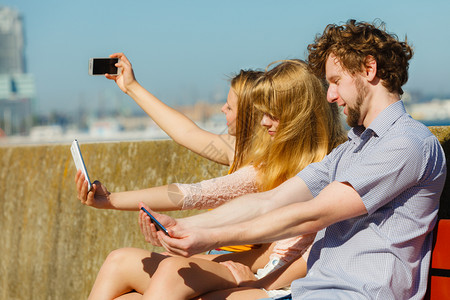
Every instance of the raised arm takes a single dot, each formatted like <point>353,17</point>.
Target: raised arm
<point>218,148</point>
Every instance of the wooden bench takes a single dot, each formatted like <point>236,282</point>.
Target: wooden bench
<point>439,282</point>
<point>439,275</point>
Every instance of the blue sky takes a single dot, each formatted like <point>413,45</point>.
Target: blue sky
<point>185,50</point>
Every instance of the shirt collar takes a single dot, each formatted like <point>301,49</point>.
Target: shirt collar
<point>381,124</point>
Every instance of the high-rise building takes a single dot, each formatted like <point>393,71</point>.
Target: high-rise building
<point>12,50</point>
<point>17,87</point>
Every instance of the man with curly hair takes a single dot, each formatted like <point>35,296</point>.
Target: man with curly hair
<point>373,200</point>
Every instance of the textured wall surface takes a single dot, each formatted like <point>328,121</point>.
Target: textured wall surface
<point>51,246</point>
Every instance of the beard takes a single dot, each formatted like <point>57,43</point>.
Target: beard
<point>354,113</point>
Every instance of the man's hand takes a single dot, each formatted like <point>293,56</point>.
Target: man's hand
<point>185,239</point>
<point>97,197</point>
<point>187,242</point>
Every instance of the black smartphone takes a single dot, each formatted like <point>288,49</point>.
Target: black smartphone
<point>158,225</point>
<point>101,66</point>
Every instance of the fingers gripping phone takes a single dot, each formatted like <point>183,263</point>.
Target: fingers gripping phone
<point>79,162</point>
<point>158,225</point>
<point>101,66</point>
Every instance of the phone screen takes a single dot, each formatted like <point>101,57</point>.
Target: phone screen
<point>101,66</point>
<point>158,225</point>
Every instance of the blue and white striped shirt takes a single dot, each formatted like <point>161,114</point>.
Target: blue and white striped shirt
<point>398,168</point>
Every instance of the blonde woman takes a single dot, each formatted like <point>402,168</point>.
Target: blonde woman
<point>242,121</point>
<point>298,129</point>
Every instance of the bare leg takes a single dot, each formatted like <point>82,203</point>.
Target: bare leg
<point>130,296</point>
<point>125,270</point>
<point>235,294</point>
<point>185,278</point>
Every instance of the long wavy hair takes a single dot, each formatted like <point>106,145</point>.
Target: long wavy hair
<point>247,118</point>
<point>309,127</point>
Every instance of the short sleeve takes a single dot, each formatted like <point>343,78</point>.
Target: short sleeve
<point>320,174</point>
<point>394,165</point>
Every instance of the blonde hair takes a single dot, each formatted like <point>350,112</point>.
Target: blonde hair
<point>247,118</point>
<point>309,127</point>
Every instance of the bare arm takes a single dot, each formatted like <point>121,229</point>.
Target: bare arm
<point>205,194</point>
<point>253,205</point>
<point>219,148</point>
<point>337,202</point>
<point>161,198</point>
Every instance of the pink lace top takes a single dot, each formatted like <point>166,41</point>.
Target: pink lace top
<point>214,192</point>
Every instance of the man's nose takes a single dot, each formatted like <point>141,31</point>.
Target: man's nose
<point>332,94</point>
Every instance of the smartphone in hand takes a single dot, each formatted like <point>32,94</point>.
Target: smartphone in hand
<point>102,66</point>
<point>158,225</point>
<point>79,162</point>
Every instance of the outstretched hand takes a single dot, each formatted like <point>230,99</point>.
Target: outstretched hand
<point>148,229</point>
<point>97,197</point>
<point>184,240</point>
<point>126,76</point>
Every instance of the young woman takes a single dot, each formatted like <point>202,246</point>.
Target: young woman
<point>242,121</point>
<point>230,148</point>
<point>300,128</point>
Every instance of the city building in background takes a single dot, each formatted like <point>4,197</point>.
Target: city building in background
<point>20,123</point>
<point>17,87</point>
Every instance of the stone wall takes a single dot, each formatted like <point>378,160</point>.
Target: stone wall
<point>51,246</point>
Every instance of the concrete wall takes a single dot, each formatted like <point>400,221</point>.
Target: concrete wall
<point>51,246</point>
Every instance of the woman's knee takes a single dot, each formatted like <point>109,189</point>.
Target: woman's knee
<point>168,273</point>
<point>166,281</point>
<point>116,257</point>
<point>120,259</point>
<point>171,265</point>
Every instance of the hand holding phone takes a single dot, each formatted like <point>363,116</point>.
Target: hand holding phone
<point>158,225</point>
<point>79,162</point>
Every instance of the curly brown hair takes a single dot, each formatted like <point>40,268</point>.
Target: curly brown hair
<point>354,42</point>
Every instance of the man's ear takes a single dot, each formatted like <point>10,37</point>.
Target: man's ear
<point>370,68</point>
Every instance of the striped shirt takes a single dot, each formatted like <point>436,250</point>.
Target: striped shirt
<point>397,166</point>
